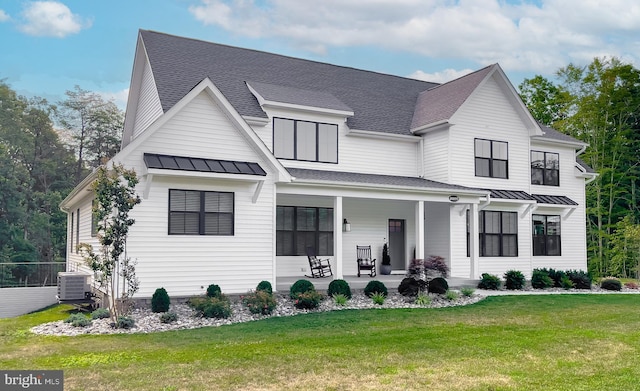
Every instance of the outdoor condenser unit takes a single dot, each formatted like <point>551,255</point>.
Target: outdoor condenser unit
<point>73,285</point>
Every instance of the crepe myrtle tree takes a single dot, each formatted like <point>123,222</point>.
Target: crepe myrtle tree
<point>115,196</point>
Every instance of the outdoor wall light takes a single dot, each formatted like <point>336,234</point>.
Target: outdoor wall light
<point>346,226</point>
<point>454,198</point>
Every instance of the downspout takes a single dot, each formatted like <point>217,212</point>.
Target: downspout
<point>421,157</point>
<point>584,147</point>
<point>593,178</point>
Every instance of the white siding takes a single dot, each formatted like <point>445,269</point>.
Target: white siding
<point>75,260</point>
<point>186,265</point>
<point>355,154</point>
<point>460,264</point>
<point>436,156</point>
<point>148,107</point>
<point>489,115</point>
<point>436,230</point>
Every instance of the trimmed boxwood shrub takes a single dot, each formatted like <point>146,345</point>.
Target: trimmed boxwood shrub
<point>556,276</point>
<point>339,287</point>
<point>300,286</point>
<point>611,284</point>
<point>160,301</point>
<point>514,279</point>
<point>540,279</point>
<point>265,286</point>
<point>214,290</point>
<point>438,285</point>
<point>375,286</point>
<point>490,282</point>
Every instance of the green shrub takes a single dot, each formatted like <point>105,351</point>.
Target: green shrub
<point>375,286</point>
<point>514,279</point>
<point>438,285</point>
<point>214,290</point>
<point>467,291</point>
<point>259,302</point>
<point>378,298</point>
<point>160,301</point>
<point>566,282</point>
<point>265,286</point>
<point>125,322</point>
<point>452,295</point>
<point>423,299</point>
<point>631,285</point>
<point>78,320</point>
<point>211,307</point>
<point>340,299</point>
<point>308,300</point>
<point>556,276</point>
<point>339,287</point>
<point>580,278</point>
<point>168,317</point>
<point>300,286</point>
<point>100,313</point>
<point>611,284</point>
<point>540,279</point>
<point>490,282</point>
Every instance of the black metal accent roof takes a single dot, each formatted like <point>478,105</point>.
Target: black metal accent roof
<point>553,200</point>
<point>168,162</point>
<point>510,195</point>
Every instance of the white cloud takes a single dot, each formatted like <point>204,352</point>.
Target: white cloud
<point>530,35</point>
<point>51,19</point>
<point>440,77</point>
<point>118,97</point>
<point>3,16</point>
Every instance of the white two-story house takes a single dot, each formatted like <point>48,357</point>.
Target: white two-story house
<point>247,158</point>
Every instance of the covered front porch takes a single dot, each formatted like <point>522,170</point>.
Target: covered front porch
<point>358,283</point>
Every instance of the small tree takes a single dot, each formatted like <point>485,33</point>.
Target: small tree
<point>115,272</point>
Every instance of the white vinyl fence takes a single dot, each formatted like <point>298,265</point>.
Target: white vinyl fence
<point>19,301</point>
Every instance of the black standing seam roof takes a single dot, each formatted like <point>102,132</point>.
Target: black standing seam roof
<point>168,162</point>
<point>538,198</point>
<point>553,200</point>
<point>510,195</point>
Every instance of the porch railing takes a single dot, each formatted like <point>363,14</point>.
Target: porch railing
<point>22,274</point>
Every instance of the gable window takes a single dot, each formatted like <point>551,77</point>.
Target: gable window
<point>546,235</point>
<point>498,234</point>
<point>299,227</point>
<point>492,158</point>
<point>194,212</point>
<point>304,140</point>
<point>545,168</point>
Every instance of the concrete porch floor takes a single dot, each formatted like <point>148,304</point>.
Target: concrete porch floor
<point>358,283</point>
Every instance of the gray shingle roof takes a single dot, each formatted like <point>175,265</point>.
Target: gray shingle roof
<point>298,96</point>
<point>441,102</point>
<point>552,134</point>
<point>585,165</point>
<point>383,103</point>
<point>374,179</point>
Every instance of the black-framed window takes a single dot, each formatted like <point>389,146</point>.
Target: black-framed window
<point>498,234</point>
<point>546,235</point>
<point>491,158</point>
<point>299,227</point>
<point>545,168</point>
<point>305,140</point>
<point>193,212</point>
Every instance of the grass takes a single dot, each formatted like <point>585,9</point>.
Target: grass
<point>559,342</point>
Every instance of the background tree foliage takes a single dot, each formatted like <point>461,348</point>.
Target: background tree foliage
<point>38,169</point>
<point>600,104</point>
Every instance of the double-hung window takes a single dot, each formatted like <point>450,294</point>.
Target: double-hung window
<point>193,212</point>
<point>498,234</point>
<point>304,140</point>
<point>491,158</point>
<point>546,235</point>
<point>545,168</point>
<point>299,227</point>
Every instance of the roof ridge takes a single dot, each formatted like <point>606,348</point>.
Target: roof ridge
<point>459,77</point>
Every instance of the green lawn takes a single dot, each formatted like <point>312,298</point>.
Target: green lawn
<point>551,342</point>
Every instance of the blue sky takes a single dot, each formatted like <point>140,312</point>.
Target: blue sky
<point>48,47</point>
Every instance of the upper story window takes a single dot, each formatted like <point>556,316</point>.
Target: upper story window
<point>304,140</point>
<point>545,168</point>
<point>492,158</point>
<point>200,212</point>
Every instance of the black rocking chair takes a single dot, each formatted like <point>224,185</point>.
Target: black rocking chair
<point>319,267</point>
<point>365,262</point>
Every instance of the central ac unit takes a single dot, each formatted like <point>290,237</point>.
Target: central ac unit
<point>73,286</point>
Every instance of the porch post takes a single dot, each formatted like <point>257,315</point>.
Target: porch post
<point>420,230</point>
<point>474,242</point>
<point>337,237</point>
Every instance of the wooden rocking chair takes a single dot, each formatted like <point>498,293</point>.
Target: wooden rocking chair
<point>365,262</point>
<point>319,267</point>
